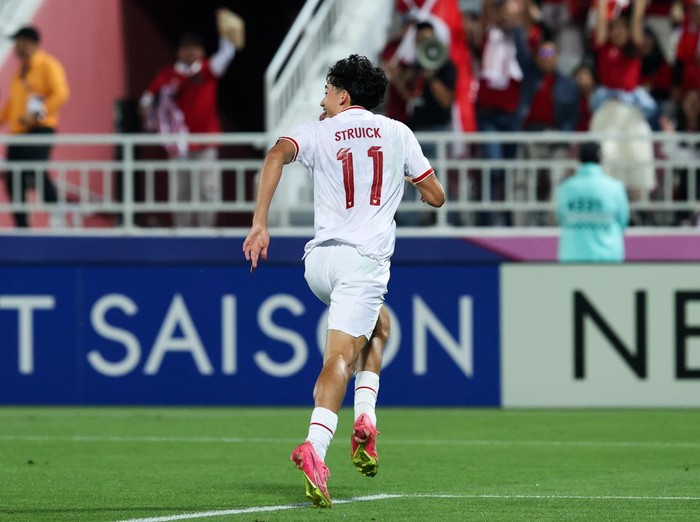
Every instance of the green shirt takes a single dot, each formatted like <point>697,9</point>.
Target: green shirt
<point>593,211</point>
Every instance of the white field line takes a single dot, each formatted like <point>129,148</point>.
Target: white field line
<point>370,498</point>
<point>416,442</point>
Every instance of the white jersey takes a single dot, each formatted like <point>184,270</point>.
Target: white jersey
<point>358,161</point>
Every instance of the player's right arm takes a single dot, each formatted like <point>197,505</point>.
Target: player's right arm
<point>258,239</point>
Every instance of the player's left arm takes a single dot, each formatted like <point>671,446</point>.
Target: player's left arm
<point>431,191</point>
<point>258,239</point>
<point>419,171</point>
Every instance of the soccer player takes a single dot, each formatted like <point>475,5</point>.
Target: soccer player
<point>359,162</point>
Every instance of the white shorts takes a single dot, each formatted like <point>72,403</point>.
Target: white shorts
<point>352,285</point>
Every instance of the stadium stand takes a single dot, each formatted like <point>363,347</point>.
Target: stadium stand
<point>105,180</point>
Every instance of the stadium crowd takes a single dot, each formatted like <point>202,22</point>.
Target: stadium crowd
<point>630,67</point>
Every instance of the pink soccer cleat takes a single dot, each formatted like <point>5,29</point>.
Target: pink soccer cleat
<point>363,444</point>
<point>315,474</point>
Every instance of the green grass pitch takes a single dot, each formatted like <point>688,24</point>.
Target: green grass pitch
<point>435,464</point>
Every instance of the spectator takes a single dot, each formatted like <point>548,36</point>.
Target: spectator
<point>593,212</point>
<point>533,28</point>
<point>620,105</point>
<point>584,76</point>
<point>549,102</point>
<point>182,99</point>
<point>500,78</point>
<point>618,46</point>
<point>549,99</point>
<point>472,31</point>
<point>564,21</point>
<point>555,15</point>
<point>686,45</point>
<point>38,90</point>
<point>429,91</point>
<point>685,120</point>
<point>656,71</point>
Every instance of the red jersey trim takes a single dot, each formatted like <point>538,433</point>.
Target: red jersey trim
<point>294,142</point>
<point>353,107</point>
<point>423,176</point>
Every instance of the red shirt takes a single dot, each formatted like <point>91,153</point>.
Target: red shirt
<point>195,96</point>
<point>687,54</point>
<point>584,114</point>
<point>542,106</point>
<point>501,100</point>
<point>659,80</point>
<point>617,71</point>
<point>506,100</point>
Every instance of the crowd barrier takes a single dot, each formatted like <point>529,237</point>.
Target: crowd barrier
<point>138,188</point>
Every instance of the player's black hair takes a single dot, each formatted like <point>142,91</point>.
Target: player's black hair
<point>365,83</point>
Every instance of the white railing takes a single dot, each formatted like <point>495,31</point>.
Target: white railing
<point>297,58</point>
<point>138,190</point>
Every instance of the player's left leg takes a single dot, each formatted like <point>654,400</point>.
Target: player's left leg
<point>363,441</point>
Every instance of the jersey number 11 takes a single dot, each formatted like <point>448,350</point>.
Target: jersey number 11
<point>345,157</point>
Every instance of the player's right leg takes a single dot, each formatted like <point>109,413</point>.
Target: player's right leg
<point>315,473</point>
<point>363,441</point>
<point>339,360</point>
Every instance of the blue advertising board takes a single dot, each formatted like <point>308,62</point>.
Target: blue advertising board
<point>210,333</point>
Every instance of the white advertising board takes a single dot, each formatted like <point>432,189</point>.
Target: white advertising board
<point>600,335</point>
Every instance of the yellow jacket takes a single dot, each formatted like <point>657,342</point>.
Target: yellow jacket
<point>46,78</point>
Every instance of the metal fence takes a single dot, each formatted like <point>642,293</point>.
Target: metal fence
<point>136,190</point>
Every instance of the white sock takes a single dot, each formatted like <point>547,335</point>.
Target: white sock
<point>366,389</point>
<point>321,430</point>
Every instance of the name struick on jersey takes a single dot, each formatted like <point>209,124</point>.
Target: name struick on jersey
<point>357,132</point>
